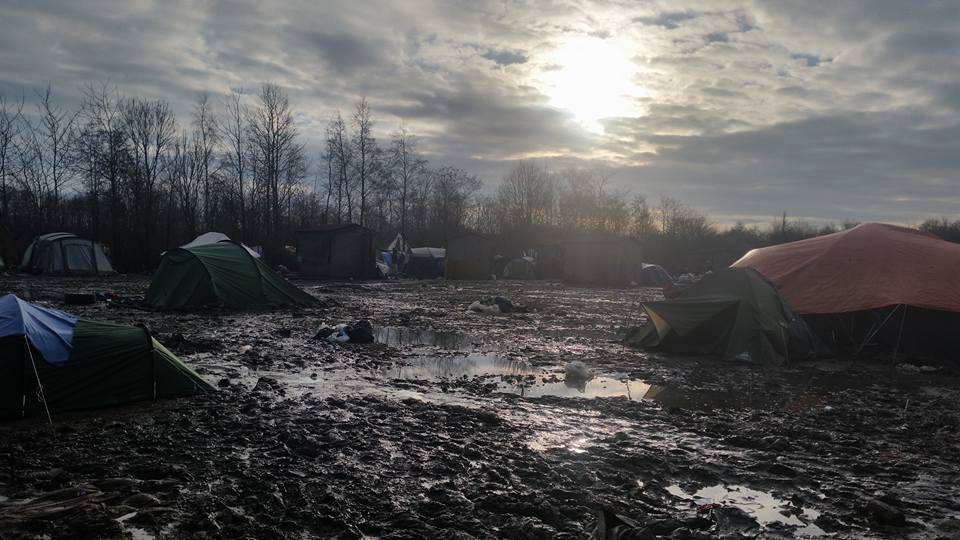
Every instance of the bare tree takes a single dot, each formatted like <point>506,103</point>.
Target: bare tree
<point>527,195</point>
<point>276,151</point>
<point>365,148</point>
<point>50,139</point>
<point>103,152</point>
<point>151,131</point>
<point>452,190</point>
<point>406,166</point>
<point>206,137</point>
<point>338,147</point>
<point>11,115</point>
<point>235,132</point>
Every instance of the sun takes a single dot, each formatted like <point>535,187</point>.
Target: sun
<point>593,79</point>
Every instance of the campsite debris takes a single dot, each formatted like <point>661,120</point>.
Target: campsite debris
<point>497,304</point>
<point>358,332</point>
<point>80,298</point>
<point>482,307</point>
<point>577,371</point>
<point>884,513</point>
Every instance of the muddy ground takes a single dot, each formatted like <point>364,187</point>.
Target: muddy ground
<point>460,425</point>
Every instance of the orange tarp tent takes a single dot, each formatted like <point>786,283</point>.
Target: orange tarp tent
<point>870,266</point>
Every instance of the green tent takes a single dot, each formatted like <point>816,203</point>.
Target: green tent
<point>47,355</point>
<point>731,313</point>
<point>223,273</point>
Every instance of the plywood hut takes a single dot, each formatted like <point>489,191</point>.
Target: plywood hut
<point>337,252</point>
<point>470,256</point>
<point>602,262</point>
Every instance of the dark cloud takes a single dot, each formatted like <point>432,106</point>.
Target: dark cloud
<point>811,60</point>
<point>668,20</point>
<point>847,109</point>
<point>505,58</point>
<point>346,53</point>
<point>716,37</point>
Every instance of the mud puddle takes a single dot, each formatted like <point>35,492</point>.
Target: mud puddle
<point>402,336</point>
<point>762,506</point>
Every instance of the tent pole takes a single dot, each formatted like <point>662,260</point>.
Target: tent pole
<point>36,373</point>
<point>876,328</point>
<point>900,333</point>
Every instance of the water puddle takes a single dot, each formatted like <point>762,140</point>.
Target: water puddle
<point>516,376</point>
<point>436,368</point>
<point>402,336</point>
<point>762,506</point>
<point>598,387</point>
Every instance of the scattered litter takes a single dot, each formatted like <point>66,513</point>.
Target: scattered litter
<point>497,304</point>
<point>577,371</point>
<point>358,332</point>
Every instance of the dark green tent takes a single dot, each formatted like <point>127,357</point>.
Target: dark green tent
<point>81,364</point>
<point>224,274</point>
<point>733,312</point>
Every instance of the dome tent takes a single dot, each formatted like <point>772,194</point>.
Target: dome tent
<point>223,273</point>
<point>80,363</point>
<point>65,253</point>
<point>213,238</point>
<point>733,312</point>
<point>654,275</point>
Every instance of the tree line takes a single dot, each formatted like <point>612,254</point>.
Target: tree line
<point>124,170</point>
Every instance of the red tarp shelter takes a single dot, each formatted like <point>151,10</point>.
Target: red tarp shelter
<point>870,266</point>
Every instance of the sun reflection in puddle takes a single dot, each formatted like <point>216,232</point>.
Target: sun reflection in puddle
<point>762,506</point>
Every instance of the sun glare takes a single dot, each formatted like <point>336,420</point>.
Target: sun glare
<point>592,78</point>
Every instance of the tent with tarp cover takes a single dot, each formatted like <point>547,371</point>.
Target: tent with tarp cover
<point>219,274</point>
<point>733,313</point>
<point>54,359</point>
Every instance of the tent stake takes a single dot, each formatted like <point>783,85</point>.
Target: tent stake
<point>36,373</point>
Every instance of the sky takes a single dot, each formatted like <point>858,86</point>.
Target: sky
<point>826,110</point>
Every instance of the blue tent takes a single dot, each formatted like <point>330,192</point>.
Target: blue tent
<point>52,360</point>
<point>49,331</point>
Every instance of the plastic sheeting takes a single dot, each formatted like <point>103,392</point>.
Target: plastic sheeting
<point>49,331</point>
<point>870,266</point>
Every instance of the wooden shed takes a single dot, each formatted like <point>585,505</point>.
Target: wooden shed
<point>337,252</point>
<point>602,262</point>
<point>470,256</point>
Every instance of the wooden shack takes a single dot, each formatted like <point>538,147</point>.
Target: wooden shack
<point>602,262</point>
<point>470,256</point>
<point>343,251</point>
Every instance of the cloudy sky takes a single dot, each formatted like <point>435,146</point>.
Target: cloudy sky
<point>828,110</point>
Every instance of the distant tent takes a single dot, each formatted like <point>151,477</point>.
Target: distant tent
<point>214,237</point>
<point>65,253</point>
<point>219,274</point>
<point>730,313</point>
<point>426,263</point>
<point>81,364</point>
<point>520,268</point>
<point>398,244</point>
<point>652,275</point>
